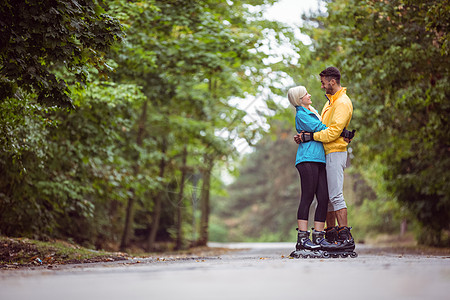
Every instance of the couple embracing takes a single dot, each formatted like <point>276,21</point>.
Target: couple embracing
<point>321,160</point>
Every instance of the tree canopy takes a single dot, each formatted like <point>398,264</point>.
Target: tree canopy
<point>38,38</point>
<point>147,86</point>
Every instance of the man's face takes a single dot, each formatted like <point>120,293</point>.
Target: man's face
<point>326,85</point>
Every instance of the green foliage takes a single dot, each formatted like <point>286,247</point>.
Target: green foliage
<point>218,232</point>
<point>37,38</point>
<point>58,184</point>
<point>373,217</point>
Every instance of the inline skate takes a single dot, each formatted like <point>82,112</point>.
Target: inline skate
<point>345,243</point>
<point>305,248</point>
<point>318,238</point>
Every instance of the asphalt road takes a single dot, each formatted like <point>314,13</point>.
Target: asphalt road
<point>263,271</point>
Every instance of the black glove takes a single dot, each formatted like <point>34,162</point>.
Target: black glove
<point>347,134</point>
<point>307,136</point>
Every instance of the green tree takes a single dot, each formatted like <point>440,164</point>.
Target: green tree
<point>46,46</point>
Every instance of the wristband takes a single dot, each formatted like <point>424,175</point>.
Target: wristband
<point>307,136</point>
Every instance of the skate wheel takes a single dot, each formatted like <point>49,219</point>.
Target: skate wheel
<point>334,255</point>
<point>344,255</point>
<point>353,255</point>
<point>326,255</point>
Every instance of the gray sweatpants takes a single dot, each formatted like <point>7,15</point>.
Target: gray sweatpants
<point>336,162</point>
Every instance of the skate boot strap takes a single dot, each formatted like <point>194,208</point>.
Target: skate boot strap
<point>344,227</point>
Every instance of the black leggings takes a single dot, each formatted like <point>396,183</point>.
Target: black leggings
<point>313,177</point>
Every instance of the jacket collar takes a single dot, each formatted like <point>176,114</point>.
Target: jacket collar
<point>332,98</point>
<point>297,108</point>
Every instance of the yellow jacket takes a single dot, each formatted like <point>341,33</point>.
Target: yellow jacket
<point>336,114</point>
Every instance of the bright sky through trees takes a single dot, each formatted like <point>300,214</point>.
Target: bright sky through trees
<point>289,12</point>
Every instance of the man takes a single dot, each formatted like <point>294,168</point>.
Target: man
<point>336,115</point>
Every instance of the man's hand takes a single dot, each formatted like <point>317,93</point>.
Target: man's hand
<point>348,135</point>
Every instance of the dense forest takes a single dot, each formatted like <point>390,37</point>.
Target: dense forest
<point>115,113</point>
<point>117,118</point>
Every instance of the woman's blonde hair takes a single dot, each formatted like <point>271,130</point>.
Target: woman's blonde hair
<point>295,94</point>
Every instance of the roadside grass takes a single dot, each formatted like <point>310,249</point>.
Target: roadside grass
<point>18,253</point>
<point>22,252</point>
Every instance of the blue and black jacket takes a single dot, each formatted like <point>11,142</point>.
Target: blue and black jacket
<point>311,151</point>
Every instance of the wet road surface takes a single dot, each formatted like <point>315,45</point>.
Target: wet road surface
<point>259,271</point>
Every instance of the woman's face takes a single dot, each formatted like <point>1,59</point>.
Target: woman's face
<point>306,100</point>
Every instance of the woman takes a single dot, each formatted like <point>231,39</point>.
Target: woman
<point>310,163</point>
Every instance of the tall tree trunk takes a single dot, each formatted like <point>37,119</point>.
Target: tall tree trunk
<point>128,224</point>
<point>204,200</point>
<point>179,241</point>
<point>158,200</point>
<point>194,179</point>
<point>130,206</point>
